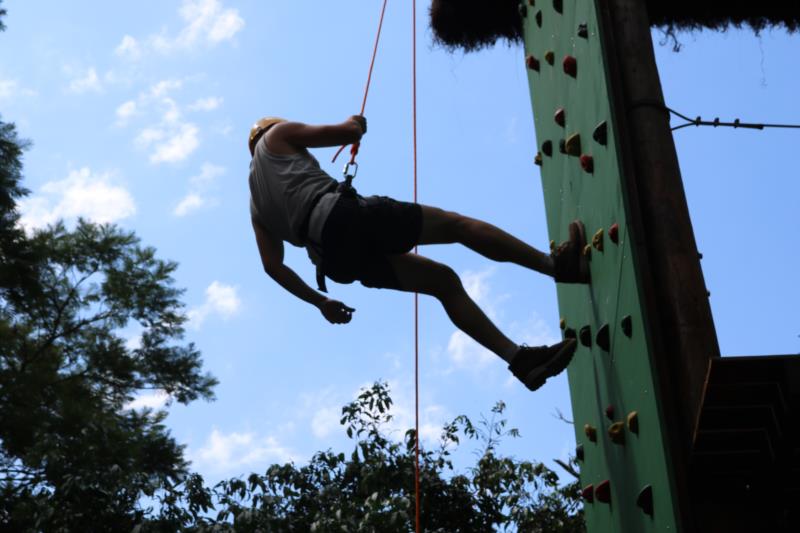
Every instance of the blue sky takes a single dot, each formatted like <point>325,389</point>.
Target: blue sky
<point>139,112</point>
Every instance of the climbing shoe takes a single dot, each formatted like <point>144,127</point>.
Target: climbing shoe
<point>569,262</point>
<point>532,365</point>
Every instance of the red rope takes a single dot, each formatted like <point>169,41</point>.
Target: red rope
<point>416,295</point>
<point>354,147</point>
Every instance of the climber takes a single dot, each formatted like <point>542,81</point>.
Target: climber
<point>350,237</point>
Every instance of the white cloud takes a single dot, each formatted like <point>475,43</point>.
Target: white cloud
<point>466,353</point>
<point>81,194</point>
<point>200,185</point>
<point>88,82</point>
<point>223,452</point>
<point>222,300</point>
<point>129,48</point>
<point>172,139</point>
<point>10,89</point>
<point>205,104</point>
<point>178,147</point>
<point>462,350</point>
<point>152,400</point>
<point>164,86</point>
<point>207,22</point>
<point>191,202</point>
<point>325,421</point>
<point>126,111</point>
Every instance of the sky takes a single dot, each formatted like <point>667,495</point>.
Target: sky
<point>139,113</point>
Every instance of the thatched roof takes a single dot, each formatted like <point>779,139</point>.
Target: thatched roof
<point>474,24</point>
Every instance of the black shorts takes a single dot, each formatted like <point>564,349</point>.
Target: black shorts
<point>361,232</point>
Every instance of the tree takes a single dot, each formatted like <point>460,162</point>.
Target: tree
<point>72,457</point>
<point>371,490</point>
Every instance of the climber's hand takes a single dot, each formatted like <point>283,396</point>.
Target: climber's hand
<point>336,312</point>
<point>362,121</point>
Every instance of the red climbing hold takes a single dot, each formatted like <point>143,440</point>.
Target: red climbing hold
<point>532,63</point>
<point>570,66</point>
<point>560,117</point>
<point>603,492</point>
<point>613,233</point>
<point>610,412</point>
<point>587,163</point>
<point>547,148</point>
<point>588,493</point>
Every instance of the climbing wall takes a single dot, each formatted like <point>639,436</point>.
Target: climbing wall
<point>623,455</point>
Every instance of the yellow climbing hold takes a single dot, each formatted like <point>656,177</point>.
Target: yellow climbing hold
<point>597,240</point>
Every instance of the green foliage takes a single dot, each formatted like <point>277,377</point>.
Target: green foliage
<point>72,457</point>
<point>372,488</point>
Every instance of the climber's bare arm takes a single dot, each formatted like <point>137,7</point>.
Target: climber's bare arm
<point>289,137</point>
<point>270,249</point>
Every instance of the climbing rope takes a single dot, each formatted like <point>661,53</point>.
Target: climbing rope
<point>349,175</point>
<point>356,145</point>
<point>416,295</point>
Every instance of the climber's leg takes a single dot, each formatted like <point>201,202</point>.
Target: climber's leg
<point>419,274</point>
<point>443,227</point>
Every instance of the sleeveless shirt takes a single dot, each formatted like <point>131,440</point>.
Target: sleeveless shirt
<point>283,191</point>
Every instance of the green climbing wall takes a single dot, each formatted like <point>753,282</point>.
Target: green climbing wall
<point>617,375</point>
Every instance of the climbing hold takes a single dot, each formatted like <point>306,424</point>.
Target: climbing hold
<point>539,18</point>
<point>562,146</point>
<point>591,432</point>
<point>645,499</point>
<point>613,233</point>
<point>616,432</point>
<point>569,333</point>
<point>587,251</point>
<point>588,493</point>
<point>560,116</point>
<point>579,452</point>
<point>550,57</point>
<point>602,339</point>
<point>558,5</point>
<point>597,240</point>
<point>531,62</point>
<point>610,412</point>
<point>538,158</point>
<point>603,492</point>
<point>600,133</point>
<point>633,422</point>
<point>573,144</point>
<point>583,30</point>
<point>570,66</point>
<point>547,148</point>
<point>627,325</point>
<point>585,336</point>
<point>562,323</point>
<point>587,163</point>
<point>523,10</point>
<point>532,2</point>
<point>552,245</point>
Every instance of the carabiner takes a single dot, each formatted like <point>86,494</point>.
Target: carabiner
<point>347,174</point>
